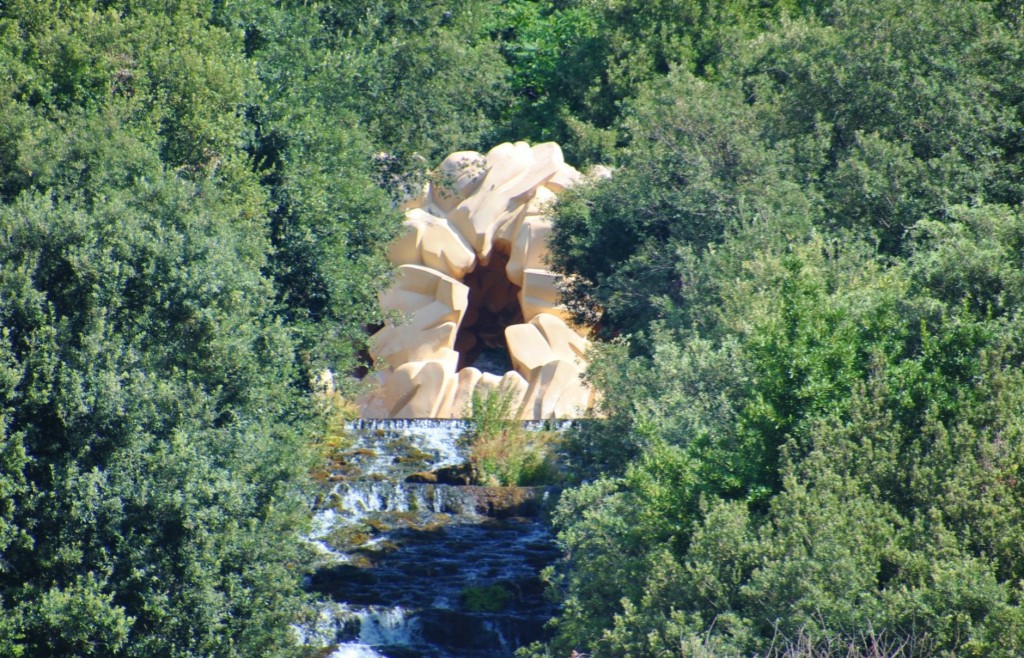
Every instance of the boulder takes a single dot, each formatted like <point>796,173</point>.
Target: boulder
<point>540,294</point>
<point>556,391</point>
<point>457,475</point>
<point>432,242</point>
<point>529,249</point>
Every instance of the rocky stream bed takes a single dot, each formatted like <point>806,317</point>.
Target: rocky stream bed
<point>421,568</point>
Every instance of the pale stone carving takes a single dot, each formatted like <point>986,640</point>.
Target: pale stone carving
<point>433,305</point>
<point>513,173</point>
<point>556,391</point>
<point>546,338</point>
<point>419,389</point>
<point>539,294</point>
<point>431,241</point>
<point>459,176</point>
<point>471,279</point>
<point>536,349</point>
<point>511,382</point>
<point>528,249</point>
<point>527,349</point>
<point>468,378</point>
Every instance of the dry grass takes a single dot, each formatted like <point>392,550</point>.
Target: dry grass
<point>502,451</point>
<point>866,644</point>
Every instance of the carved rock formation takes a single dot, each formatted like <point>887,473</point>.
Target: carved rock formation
<point>473,307</point>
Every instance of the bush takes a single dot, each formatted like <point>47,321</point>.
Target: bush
<point>503,452</point>
<point>490,598</point>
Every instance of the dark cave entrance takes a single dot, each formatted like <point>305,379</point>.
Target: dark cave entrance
<point>493,305</point>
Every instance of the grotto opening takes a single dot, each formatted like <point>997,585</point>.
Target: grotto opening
<point>473,306</point>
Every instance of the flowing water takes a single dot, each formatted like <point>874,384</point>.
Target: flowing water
<point>425,569</point>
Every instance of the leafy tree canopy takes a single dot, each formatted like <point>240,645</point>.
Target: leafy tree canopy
<point>805,271</point>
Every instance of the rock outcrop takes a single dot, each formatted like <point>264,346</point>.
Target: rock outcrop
<point>471,290</point>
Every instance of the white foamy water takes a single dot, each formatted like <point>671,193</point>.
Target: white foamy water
<point>354,651</point>
<point>382,626</point>
<point>353,501</point>
<point>399,586</point>
<point>438,437</point>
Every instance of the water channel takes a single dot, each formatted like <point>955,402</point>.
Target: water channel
<point>422,569</point>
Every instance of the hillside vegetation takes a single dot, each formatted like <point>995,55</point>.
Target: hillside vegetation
<point>806,271</point>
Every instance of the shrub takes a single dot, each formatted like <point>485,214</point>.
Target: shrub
<point>489,598</point>
<point>503,452</point>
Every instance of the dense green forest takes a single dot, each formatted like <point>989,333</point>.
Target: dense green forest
<point>807,271</point>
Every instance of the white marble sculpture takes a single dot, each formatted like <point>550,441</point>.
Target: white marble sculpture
<point>471,274</point>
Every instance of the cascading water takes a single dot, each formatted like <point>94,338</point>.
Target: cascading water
<point>425,569</point>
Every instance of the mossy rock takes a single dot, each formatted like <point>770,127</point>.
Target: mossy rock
<point>406,518</point>
<point>431,527</point>
<point>335,503</point>
<point>318,652</point>
<point>378,525</point>
<point>347,538</point>
<point>423,477</point>
<point>414,455</point>
<point>489,598</point>
<point>361,562</point>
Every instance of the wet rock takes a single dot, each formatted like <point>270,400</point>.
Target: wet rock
<point>458,475</point>
<point>424,568</point>
<point>463,632</point>
<point>423,477</point>
<point>413,459</point>
<point>505,502</point>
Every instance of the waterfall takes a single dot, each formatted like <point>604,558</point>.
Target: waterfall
<point>429,570</point>
<point>360,499</point>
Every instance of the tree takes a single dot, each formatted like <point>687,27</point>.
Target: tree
<point>695,170</point>
<point>161,476</point>
<point>913,110</point>
<point>153,445</point>
<point>834,466</point>
<point>576,64</point>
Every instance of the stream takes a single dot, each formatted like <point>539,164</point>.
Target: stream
<point>421,569</point>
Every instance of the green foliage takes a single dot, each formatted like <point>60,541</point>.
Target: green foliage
<point>970,260</point>
<point>161,480</point>
<point>503,452</point>
<point>916,108</point>
<point>181,77</point>
<point>809,123</point>
<point>423,78</point>
<point>695,169</point>
<point>81,619</point>
<point>817,442</point>
<point>329,220</point>
<point>808,262</point>
<point>575,63</point>
<point>328,228</point>
<point>489,598</point>
<point>153,446</point>
<point>842,459</point>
